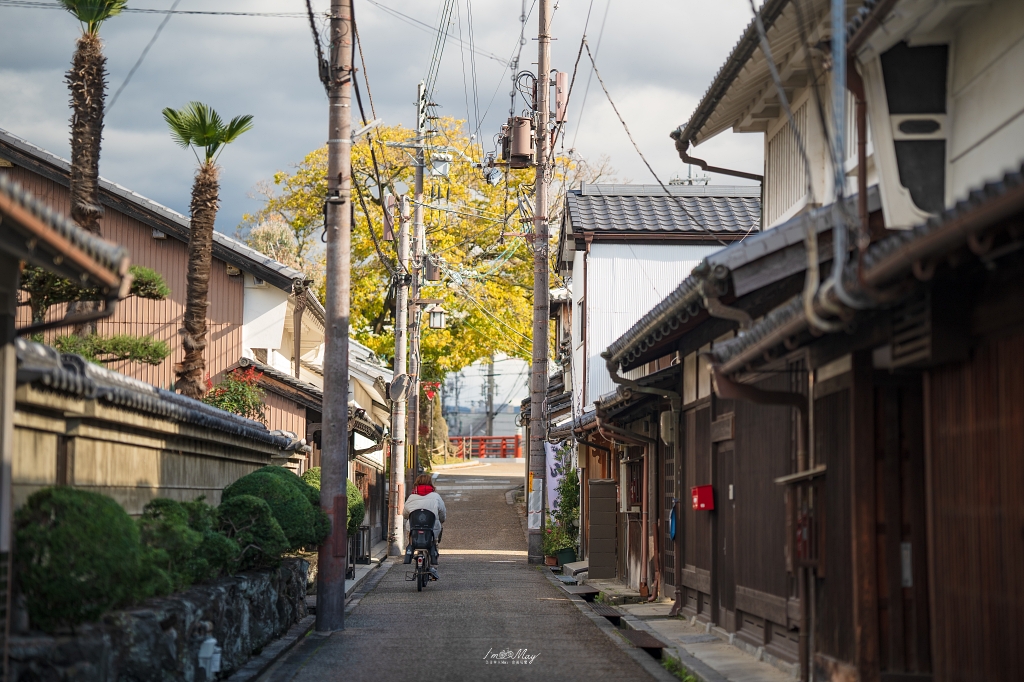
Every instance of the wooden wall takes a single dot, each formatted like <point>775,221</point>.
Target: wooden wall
<point>834,584</point>
<point>765,449</point>
<point>975,459</point>
<point>128,456</point>
<point>159,319</point>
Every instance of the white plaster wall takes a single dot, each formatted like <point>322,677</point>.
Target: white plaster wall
<point>624,281</point>
<point>986,97</point>
<point>263,313</point>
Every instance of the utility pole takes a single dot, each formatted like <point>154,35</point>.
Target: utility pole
<point>415,317</point>
<point>396,538</point>
<point>330,592</point>
<point>490,396</point>
<point>539,379</point>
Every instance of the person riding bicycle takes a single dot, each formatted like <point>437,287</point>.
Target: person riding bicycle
<point>424,497</point>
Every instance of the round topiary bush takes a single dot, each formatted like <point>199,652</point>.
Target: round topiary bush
<point>291,478</point>
<point>249,522</point>
<point>356,505</point>
<point>303,524</point>
<point>312,478</point>
<point>77,554</point>
<point>170,543</point>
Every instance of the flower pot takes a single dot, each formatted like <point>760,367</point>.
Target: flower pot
<point>565,556</point>
<point>550,561</point>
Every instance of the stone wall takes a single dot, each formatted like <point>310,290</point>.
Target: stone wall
<point>159,639</point>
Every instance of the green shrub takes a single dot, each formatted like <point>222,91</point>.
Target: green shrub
<point>556,538</point>
<point>239,392</point>
<point>312,478</point>
<point>217,554</point>
<point>303,524</point>
<point>356,506</point>
<point>78,555</point>
<point>172,545</point>
<point>249,522</point>
<point>288,476</point>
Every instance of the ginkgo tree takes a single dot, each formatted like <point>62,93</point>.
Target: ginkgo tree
<point>479,232</point>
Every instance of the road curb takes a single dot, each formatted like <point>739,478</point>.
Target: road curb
<point>278,649</point>
<point>455,465</point>
<point>645,660</point>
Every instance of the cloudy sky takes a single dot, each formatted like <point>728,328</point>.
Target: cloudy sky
<point>657,58</point>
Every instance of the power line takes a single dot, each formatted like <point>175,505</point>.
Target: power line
<point>142,56</point>
<point>416,23</point>
<point>35,4</point>
<point>586,90</point>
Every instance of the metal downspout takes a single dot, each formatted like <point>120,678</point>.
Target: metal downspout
<point>682,146</point>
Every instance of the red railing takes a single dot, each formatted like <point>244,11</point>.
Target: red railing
<point>466,447</point>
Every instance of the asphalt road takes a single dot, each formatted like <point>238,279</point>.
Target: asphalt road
<point>488,600</point>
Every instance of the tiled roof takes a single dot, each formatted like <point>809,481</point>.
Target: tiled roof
<point>157,215</point>
<point>887,260</point>
<point>687,299</point>
<point>72,375</point>
<point>648,209</point>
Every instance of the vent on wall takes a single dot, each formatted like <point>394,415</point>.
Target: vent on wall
<point>932,329</point>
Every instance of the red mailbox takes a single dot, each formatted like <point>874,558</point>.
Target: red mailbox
<point>703,497</point>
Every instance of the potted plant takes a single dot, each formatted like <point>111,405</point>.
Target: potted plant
<point>559,546</point>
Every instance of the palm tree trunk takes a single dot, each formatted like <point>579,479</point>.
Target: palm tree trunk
<point>190,372</point>
<point>87,82</point>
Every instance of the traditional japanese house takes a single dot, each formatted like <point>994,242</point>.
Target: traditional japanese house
<point>849,474</point>
<point>621,248</point>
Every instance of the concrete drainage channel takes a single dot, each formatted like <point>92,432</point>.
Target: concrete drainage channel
<point>635,637</point>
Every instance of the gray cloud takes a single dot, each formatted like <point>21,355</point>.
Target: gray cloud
<point>657,58</point>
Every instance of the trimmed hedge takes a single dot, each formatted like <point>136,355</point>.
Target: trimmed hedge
<point>303,524</point>
<point>298,482</point>
<point>356,505</point>
<point>78,555</point>
<point>249,522</point>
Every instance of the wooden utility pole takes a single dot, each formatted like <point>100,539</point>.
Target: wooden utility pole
<point>539,378</point>
<point>330,591</point>
<point>490,396</point>
<point>415,316</point>
<point>396,538</point>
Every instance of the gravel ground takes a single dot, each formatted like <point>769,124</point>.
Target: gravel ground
<point>488,600</point>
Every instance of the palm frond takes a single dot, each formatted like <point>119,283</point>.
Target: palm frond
<point>239,124</point>
<point>92,13</point>
<point>179,126</point>
<point>199,125</point>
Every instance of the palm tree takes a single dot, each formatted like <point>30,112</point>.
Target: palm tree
<point>87,80</point>
<point>197,126</point>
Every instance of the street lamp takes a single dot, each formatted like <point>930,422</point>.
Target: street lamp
<point>437,317</point>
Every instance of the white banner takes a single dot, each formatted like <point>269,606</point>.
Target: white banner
<point>552,475</point>
<point>535,508</point>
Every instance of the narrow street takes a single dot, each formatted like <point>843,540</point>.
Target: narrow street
<point>488,599</point>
